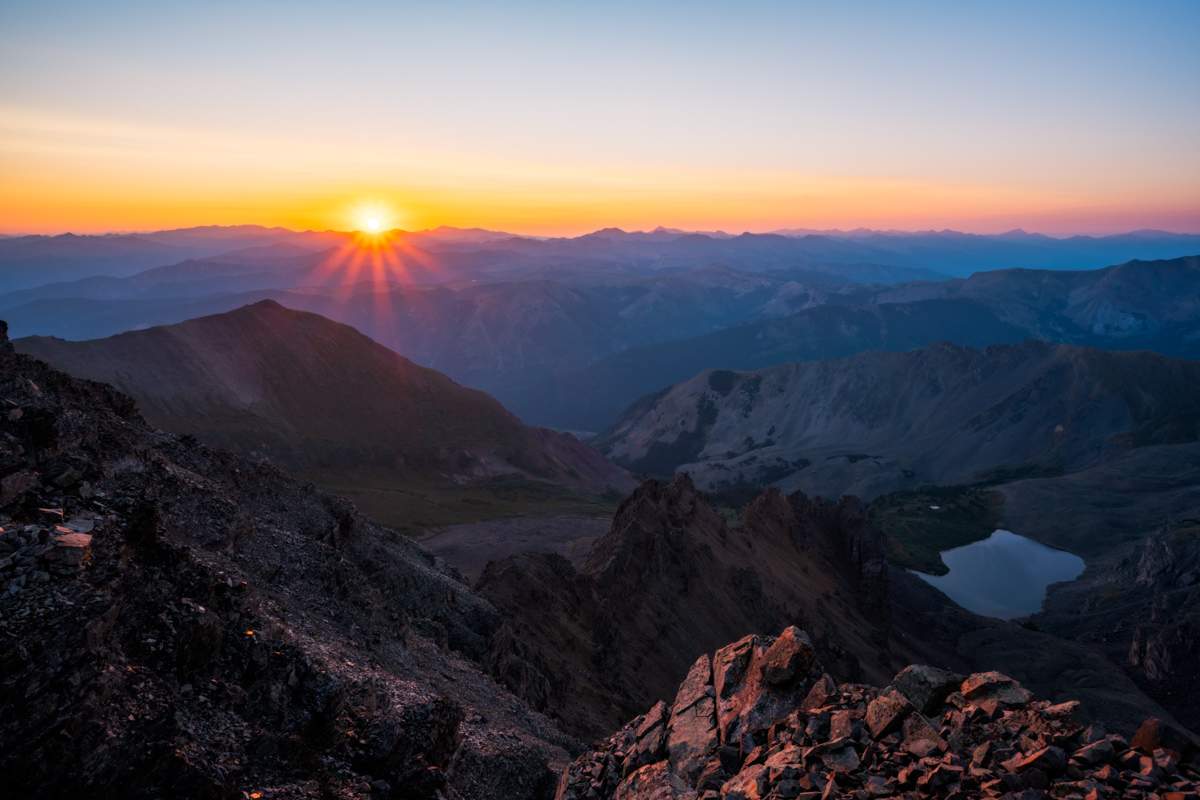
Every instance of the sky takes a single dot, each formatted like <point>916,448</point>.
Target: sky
<point>561,118</point>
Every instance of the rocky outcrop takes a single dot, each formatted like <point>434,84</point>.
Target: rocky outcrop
<point>672,580</point>
<point>179,622</point>
<point>929,734</point>
<point>1141,608</point>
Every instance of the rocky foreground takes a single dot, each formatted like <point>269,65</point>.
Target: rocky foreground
<point>178,622</point>
<point>762,719</point>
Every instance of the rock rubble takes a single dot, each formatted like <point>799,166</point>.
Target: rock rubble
<point>761,720</point>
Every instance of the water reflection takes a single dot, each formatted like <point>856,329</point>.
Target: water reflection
<point>1005,575</point>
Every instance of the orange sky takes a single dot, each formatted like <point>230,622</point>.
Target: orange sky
<point>90,175</point>
<point>548,119</point>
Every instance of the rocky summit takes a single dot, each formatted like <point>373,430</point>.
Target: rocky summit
<point>760,719</point>
<point>178,622</point>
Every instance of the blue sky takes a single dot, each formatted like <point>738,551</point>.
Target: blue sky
<point>1073,106</point>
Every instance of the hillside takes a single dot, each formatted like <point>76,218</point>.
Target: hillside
<point>320,399</point>
<point>879,421</point>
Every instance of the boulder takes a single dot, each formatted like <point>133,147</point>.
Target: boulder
<point>886,713</point>
<point>926,687</point>
<point>994,686</point>
<point>1155,734</point>
<point>760,685</point>
<point>821,693</point>
<point>653,782</point>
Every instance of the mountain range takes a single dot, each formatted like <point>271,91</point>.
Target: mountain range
<point>791,421</point>
<point>879,421</point>
<point>1132,306</point>
<point>27,261</point>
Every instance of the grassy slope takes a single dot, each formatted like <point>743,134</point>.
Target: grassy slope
<point>418,506</point>
<point>917,534</point>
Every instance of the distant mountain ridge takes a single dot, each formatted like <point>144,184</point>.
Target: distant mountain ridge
<point>878,421</point>
<point>26,261</point>
<point>1152,305</point>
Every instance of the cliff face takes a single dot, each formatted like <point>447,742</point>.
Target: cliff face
<point>1141,608</point>
<point>760,719</point>
<point>182,622</point>
<point>670,580</point>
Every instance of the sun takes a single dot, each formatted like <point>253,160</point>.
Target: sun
<point>373,224</point>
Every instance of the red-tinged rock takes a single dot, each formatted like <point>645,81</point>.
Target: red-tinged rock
<point>1050,760</point>
<point>791,657</point>
<point>941,775</point>
<point>692,732</point>
<point>786,763</point>
<point>51,515</point>
<point>731,662</point>
<point>877,786</point>
<point>749,784</point>
<point>1063,711</point>
<point>767,694</point>
<point>919,737</point>
<point>886,714</point>
<point>1166,761</point>
<point>1100,752</point>
<point>846,723</point>
<point>1155,734</point>
<point>1093,733</point>
<point>651,782</point>
<point>651,742</point>
<point>821,694</point>
<point>1081,788</point>
<point>995,686</point>
<point>69,550</point>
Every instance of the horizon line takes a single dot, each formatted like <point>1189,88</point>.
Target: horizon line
<point>796,231</point>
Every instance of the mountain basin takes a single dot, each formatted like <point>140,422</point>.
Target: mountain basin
<point>1004,575</point>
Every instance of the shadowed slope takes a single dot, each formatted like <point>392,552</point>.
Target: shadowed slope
<point>318,397</point>
<point>880,421</point>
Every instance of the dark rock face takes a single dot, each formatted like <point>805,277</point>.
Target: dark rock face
<point>178,622</point>
<point>986,737</point>
<point>670,581</point>
<point>1141,608</point>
